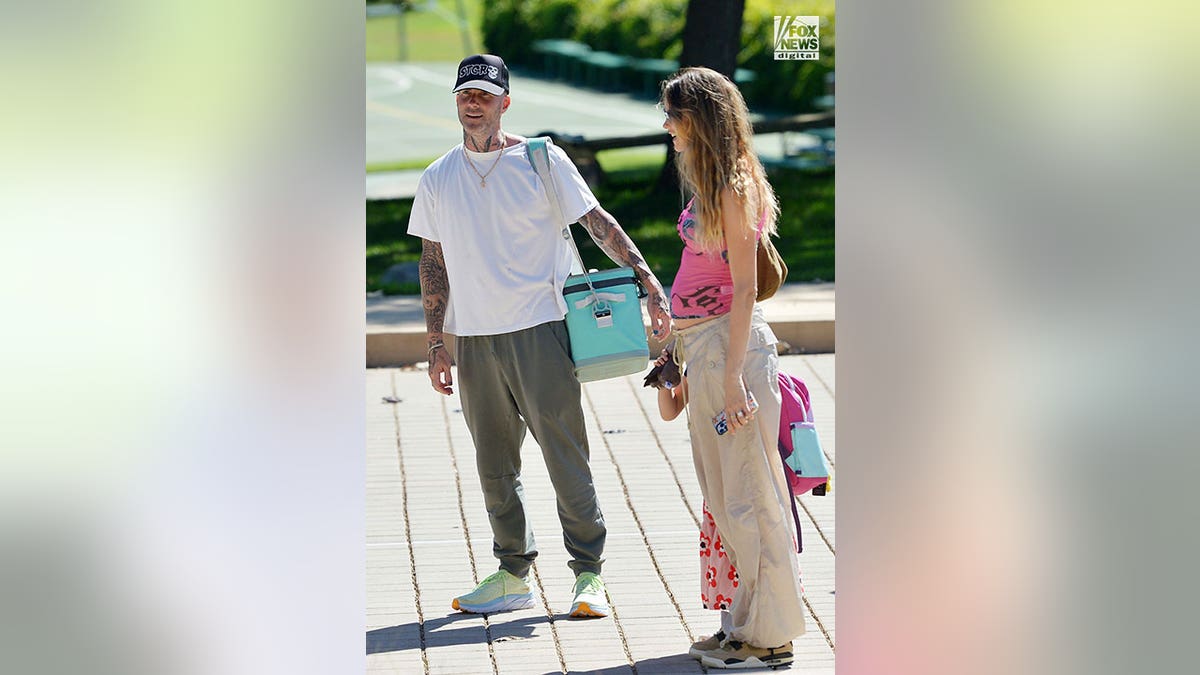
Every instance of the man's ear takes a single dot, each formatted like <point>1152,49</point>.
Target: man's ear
<point>507,102</point>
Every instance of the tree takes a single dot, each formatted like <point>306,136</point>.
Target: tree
<point>712,37</point>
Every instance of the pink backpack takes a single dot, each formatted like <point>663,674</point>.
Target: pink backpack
<point>796,407</point>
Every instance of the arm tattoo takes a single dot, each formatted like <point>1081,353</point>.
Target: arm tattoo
<point>611,239</point>
<point>435,289</point>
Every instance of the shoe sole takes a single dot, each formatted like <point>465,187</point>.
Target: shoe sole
<point>698,653</point>
<point>777,661</point>
<point>506,603</point>
<point>583,609</point>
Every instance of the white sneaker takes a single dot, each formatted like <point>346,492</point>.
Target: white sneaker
<point>501,592</point>
<point>590,597</point>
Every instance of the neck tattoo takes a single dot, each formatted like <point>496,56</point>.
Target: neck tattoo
<point>482,176</point>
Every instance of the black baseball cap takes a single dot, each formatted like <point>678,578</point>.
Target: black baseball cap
<point>483,71</point>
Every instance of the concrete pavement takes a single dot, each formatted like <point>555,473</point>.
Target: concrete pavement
<point>428,539</point>
<point>411,114</point>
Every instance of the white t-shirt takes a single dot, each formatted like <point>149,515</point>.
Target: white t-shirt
<point>506,259</point>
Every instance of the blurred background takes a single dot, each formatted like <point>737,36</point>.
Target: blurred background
<point>588,73</point>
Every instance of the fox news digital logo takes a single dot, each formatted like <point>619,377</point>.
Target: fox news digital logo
<point>797,38</point>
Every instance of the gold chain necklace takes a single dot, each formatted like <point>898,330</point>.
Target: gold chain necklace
<point>482,176</point>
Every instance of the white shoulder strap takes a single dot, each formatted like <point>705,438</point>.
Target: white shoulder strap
<point>539,157</point>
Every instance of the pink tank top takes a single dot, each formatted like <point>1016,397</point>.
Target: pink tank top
<point>704,285</point>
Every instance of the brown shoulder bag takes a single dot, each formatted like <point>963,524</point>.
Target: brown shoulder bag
<point>771,269</point>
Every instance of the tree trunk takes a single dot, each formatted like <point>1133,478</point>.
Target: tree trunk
<point>712,37</point>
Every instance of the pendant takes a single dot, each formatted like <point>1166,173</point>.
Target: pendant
<point>482,182</point>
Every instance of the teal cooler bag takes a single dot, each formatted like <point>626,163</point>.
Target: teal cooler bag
<point>604,320</point>
<point>604,314</point>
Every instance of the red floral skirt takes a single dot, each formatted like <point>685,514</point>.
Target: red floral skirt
<point>718,578</point>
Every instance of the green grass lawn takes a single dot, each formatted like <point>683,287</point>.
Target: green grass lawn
<point>400,165</point>
<point>432,34</point>
<point>806,227</point>
<point>629,163</point>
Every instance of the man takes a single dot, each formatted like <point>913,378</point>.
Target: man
<point>493,265</point>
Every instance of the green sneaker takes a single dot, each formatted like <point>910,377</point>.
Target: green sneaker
<point>735,654</point>
<point>590,597</point>
<point>501,592</point>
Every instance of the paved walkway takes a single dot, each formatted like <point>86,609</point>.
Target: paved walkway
<point>428,540</point>
<point>411,114</point>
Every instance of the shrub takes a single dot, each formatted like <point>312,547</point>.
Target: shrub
<point>654,29</point>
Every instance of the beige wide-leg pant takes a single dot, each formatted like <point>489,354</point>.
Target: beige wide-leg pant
<point>742,480</point>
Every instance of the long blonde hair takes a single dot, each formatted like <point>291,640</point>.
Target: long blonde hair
<point>711,114</point>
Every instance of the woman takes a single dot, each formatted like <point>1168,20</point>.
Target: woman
<point>730,353</point>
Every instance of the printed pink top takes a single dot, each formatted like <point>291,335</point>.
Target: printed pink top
<point>704,285</point>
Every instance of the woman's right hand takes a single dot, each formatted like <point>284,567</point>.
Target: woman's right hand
<point>739,411</point>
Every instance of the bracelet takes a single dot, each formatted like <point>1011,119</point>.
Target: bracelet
<point>434,346</point>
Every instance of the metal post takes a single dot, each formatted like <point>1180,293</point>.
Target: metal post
<point>402,27</point>
<point>464,28</point>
